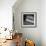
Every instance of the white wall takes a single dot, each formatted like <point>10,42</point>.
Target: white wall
<point>6,13</point>
<point>31,6</point>
<point>35,34</point>
<point>43,22</point>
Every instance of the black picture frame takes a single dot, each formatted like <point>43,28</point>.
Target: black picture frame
<point>29,19</point>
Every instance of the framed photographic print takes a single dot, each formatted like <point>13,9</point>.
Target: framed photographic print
<point>29,19</point>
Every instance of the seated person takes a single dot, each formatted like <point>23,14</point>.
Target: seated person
<point>18,40</point>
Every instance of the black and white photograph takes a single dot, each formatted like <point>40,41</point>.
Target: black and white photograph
<point>29,19</point>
